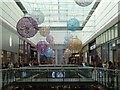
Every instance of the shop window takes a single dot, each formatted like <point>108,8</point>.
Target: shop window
<point>112,30</point>
<point>116,30</point>
<point>97,41</point>
<point>105,53</point>
<point>118,60</point>
<point>109,35</point>
<point>110,52</point>
<point>106,35</point>
<point>99,52</point>
<point>102,39</point>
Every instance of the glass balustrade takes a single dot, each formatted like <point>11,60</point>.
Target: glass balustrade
<point>108,78</point>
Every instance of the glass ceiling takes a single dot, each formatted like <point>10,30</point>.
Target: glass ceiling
<point>58,12</point>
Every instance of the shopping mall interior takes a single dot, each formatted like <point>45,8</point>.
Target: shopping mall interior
<point>59,44</point>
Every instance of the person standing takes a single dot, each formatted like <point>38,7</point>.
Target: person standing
<point>111,73</point>
<point>10,65</point>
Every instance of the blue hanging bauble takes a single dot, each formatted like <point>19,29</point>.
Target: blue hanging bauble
<point>49,53</point>
<point>68,36</point>
<point>73,24</point>
<point>66,42</point>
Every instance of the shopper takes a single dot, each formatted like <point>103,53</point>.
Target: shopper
<point>111,73</point>
<point>4,65</point>
<point>10,65</point>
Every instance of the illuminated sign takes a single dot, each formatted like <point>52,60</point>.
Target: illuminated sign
<point>77,55</point>
<point>92,47</point>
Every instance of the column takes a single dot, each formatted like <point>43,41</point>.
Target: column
<point>0,54</point>
<point>38,56</point>
<point>61,56</point>
<point>56,56</point>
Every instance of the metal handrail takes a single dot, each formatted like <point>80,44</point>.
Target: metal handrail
<point>101,75</point>
<point>29,68</point>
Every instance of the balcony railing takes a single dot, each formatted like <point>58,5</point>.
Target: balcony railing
<point>108,78</point>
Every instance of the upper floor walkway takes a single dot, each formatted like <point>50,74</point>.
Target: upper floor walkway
<point>61,74</point>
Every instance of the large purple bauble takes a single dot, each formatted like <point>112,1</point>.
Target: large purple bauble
<point>49,38</point>
<point>42,47</point>
<point>27,27</point>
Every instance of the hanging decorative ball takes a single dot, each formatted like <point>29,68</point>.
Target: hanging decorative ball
<point>42,47</point>
<point>68,36</point>
<point>83,3</point>
<point>67,53</point>
<point>75,45</point>
<point>73,24</point>
<point>51,44</point>
<point>44,31</point>
<point>27,27</point>
<point>49,53</point>
<point>66,42</point>
<point>38,16</point>
<point>49,38</point>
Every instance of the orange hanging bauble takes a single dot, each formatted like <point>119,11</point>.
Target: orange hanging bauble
<point>75,45</point>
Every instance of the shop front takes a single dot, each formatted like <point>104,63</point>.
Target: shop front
<point>92,52</point>
<point>118,53</point>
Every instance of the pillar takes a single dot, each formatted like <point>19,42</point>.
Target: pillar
<point>56,56</point>
<point>38,56</point>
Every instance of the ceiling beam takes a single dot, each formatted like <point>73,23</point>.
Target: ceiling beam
<point>21,6</point>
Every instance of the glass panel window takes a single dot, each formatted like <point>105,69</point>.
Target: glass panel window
<point>112,29</point>
<point>97,41</point>
<point>105,53</point>
<point>106,35</point>
<point>102,38</point>
<point>99,52</point>
<point>110,52</point>
<point>109,35</point>
<point>116,30</point>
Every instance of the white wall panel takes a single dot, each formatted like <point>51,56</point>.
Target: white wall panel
<point>105,12</point>
<point>10,12</point>
<point>6,34</point>
<point>99,11</point>
<point>104,19</point>
<point>105,16</point>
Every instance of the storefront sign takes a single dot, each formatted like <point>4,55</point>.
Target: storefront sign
<point>92,47</point>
